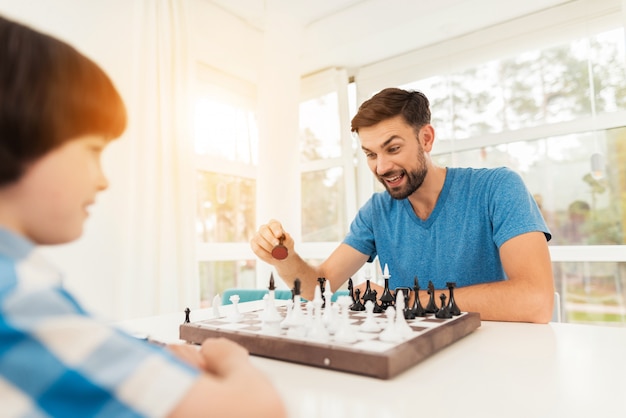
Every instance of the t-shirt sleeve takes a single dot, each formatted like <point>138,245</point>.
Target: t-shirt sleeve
<point>361,234</point>
<point>59,361</point>
<point>512,208</point>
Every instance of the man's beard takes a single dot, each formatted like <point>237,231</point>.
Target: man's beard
<point>414,179</point>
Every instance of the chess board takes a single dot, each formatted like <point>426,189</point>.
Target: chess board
<point>369,355</point>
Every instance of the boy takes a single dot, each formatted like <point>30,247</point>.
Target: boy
<point>58,111</point>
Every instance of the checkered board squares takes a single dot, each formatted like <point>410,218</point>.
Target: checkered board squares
<point>368,356</point>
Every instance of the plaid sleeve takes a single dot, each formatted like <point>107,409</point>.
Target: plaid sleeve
<point>55,360</point>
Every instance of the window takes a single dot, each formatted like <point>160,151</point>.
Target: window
<point>226,149</point>
<point>327,162</point>
<point>554,113</point>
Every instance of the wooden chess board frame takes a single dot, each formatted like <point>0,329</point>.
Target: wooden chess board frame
<point>340,356</point>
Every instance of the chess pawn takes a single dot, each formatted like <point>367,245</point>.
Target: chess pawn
<point>443,312</point>
<point>389,334</point>
<point>270,318</point>
<point>377,307</point>
<point>370,324</point>
<point>286,322</point>
<point>317,332</point>
<point>270,314</point>
<point>345,332</point>
<point>357,305</point>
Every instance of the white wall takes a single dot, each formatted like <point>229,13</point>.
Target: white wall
<point>98,265</point>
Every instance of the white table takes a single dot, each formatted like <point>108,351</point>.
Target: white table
<point>500,370</point>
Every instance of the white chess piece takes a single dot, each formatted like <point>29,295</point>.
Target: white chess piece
<point>402,328</point>
<point>234,315</point>
<point>270,318</point>
<point>389,334</point>
<point>328,315</point>
<point>331,320</point>
<point>370,324</point>
<point>345,333</point>
<point>317,331</point>
<point>287,320</point>
<point>217,302</point>
<point>270,313</point>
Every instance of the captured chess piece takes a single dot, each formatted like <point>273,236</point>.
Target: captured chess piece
<point>418,309</point>
<point>279,252</point>
<point>443,312</point>
<point>187,312</point>
<point>452,306</point>
<point>431,307</point>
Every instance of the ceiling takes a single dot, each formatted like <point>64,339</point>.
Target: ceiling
<point>354,33</point>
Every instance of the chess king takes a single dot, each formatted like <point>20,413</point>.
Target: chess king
<point>480,228</point>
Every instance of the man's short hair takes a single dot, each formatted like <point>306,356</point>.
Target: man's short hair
<point>49,94</point>
<point>412,105</point>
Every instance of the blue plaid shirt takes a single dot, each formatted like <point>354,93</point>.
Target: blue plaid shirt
<point>57,360</point>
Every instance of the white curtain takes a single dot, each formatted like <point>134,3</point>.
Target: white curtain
<point>160,267</point>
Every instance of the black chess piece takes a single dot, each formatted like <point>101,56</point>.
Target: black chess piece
<point>431,307</point>
<point>295,292</point>
<point>452,306</point>
<point>322,282</point>
<point>443,312</point>
<point>357,306</point>
<point>406,295</point>
<point>418,309</point>
<point>272,285</point>
<point>187,312</point>
<point>377,307</point>
<point>368,294</point>
<point>386,299</point>
<point>351,289</point>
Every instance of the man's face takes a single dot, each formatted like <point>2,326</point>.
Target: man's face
<point>395,156</point>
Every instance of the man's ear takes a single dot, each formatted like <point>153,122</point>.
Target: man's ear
<point>426,136</point>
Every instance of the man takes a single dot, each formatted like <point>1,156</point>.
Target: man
<point>479,228</point>
<point>58,111</point>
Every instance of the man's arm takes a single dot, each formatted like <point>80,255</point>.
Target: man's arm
<point>337,268</point>
<point>230,386</point>
<point>527,295</point>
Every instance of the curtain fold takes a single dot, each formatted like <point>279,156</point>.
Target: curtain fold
<point>161,260</point>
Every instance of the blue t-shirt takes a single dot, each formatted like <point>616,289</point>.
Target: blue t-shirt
<point>57,360</point>
<point>477,211</point>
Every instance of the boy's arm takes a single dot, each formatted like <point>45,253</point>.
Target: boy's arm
<point>230,386</point>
